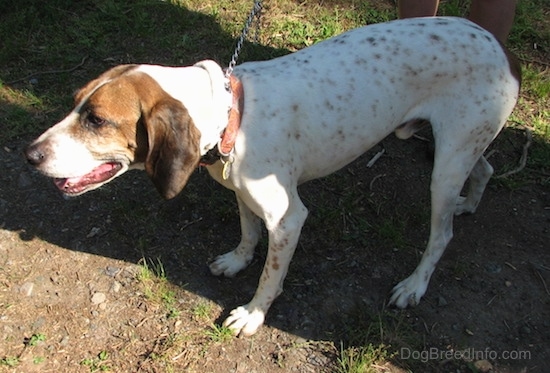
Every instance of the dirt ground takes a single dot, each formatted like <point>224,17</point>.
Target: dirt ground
<point>72,298</point>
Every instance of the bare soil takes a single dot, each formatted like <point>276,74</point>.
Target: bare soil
<point>70,273</point>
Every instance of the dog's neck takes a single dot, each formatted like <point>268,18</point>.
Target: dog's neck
<point>226,142</point>
<point>205,96</point>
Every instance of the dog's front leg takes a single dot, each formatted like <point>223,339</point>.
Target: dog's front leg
<point>234,261</point>
<point>284,230</point>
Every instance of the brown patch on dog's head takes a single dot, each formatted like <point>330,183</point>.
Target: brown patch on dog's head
<point>126,114</point>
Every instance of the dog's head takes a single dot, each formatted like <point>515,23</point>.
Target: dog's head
<point>121,120</point>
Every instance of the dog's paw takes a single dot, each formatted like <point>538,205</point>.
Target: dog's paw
<point>244,321</point>
<point>229,264</point>
<point>408,292</point>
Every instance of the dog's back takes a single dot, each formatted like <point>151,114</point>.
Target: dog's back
<point>349,92</point>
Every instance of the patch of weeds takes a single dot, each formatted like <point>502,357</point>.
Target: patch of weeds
<point>372,12</point>
<point>19,111</point>
<point>38,359</point>
<point>453,8</point>
<point>460,269</point>
<point>97,364</point>
<point>529,26</point>
<point>219,333</point>
<point>391,230</point>
<point>10,361</point>
<point>362,359</point>
<point>510,183</point>
<point>150,269</point>
<point>202,310</point>
<point>35,339</point>
<point>535,83</point>
<point>157,288</point>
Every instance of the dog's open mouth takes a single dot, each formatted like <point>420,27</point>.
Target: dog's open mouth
<point>93,179</point>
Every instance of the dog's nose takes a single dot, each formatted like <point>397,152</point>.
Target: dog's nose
<point>34,154</point>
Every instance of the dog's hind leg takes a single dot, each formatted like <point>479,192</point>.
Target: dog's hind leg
<point>234,261</point>
<point>448,177</point>
<point>479,177</point>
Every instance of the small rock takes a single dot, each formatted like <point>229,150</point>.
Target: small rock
<point>525,330</point>
<point>93,232</point>
<point>483,366</point>
<point>492,267</point>
<point>27,288</point>
<point>64,341</point>
<point>112,271</point>
<point>115,288</point>
<point>442,302</point>
<point>98,298</point>
<point>508,283</point>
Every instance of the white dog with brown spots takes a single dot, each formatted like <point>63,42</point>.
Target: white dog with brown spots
<point>304,116</point>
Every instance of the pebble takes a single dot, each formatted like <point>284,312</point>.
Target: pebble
<point>27,288</point>
<point>483,366</point>
<point>65,341</point>
<point>93,232</point>
<point>492,267</point>
<point>442,302</point>
<point>98,298</point>
<point>115,288</point>
<point>525,330</point>
<point>112,271</point>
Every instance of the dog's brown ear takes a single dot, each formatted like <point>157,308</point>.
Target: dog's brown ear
<point>173,152</point>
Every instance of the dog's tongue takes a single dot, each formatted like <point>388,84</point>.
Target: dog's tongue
<point>98,175</point>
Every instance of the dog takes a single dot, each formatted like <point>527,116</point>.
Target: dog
<point>276,124</point>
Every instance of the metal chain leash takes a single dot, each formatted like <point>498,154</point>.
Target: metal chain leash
<point>254,16</point>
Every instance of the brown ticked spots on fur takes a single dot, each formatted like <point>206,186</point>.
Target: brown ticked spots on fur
<point>372,41</point>
<point>275,264</point>
<point>329,105</point>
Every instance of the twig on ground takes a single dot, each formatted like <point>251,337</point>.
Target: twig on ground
<point>375,158</point>
<point>374,179</point>
<point>523,158</point>
<point>49,72</point>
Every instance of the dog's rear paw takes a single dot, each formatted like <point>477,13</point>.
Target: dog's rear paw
<point>244,321</point>
<point>408,292</point>
<point>229,264</point>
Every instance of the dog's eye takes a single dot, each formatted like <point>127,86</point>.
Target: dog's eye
<point>95,121</point>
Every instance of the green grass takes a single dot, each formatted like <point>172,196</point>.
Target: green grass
<point>219,333</point>
<point>98,363</point>
<point>35,339</point>
<point>362,359</point>
<point>202,310</point>
<point>156,287</point>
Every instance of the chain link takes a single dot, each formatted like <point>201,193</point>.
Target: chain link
<point>254,15</point>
